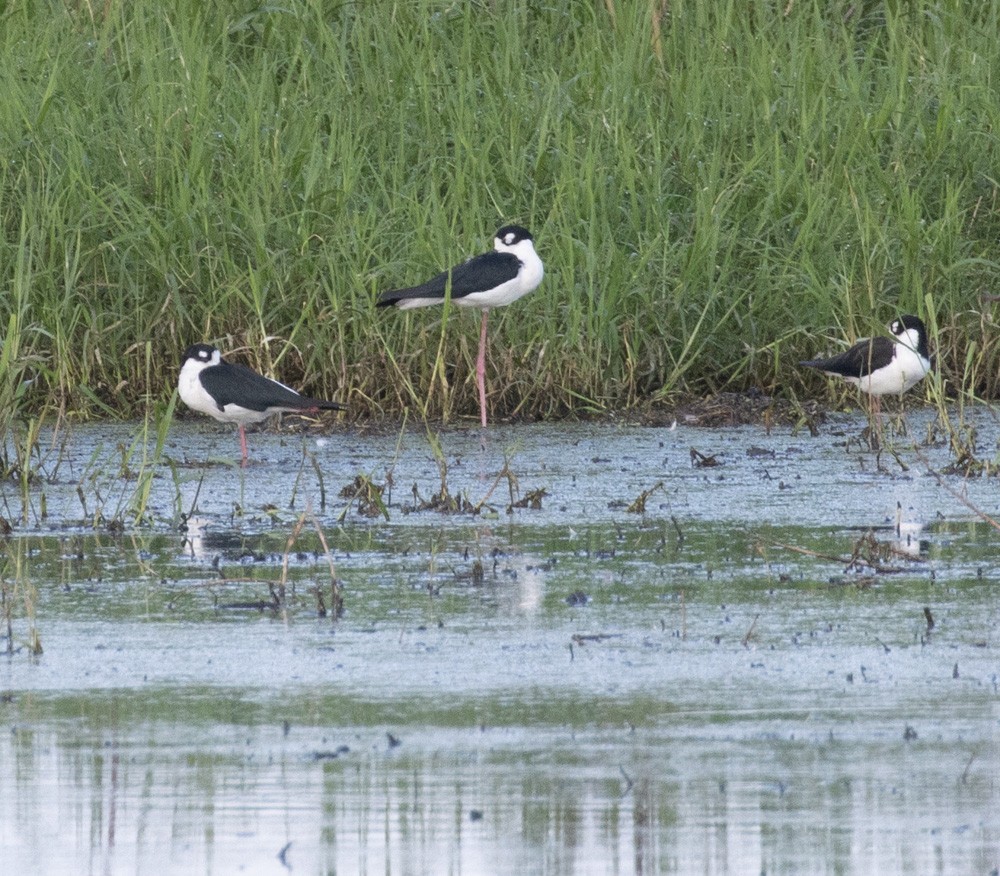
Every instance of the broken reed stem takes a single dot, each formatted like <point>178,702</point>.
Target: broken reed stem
<point>677,527</point>
<point>197,493</point>
<point>968,763</point>
<point>298,477</point>
<point>975,509</point>
<point>8,614</point>
<point>336,599</point>
<point>810,553</point>
<point>292,538</point>
<point>853,559</point>
<point>504,472</point>
<point>322,485</point>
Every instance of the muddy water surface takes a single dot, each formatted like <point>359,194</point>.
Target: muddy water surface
<point>709,686</point>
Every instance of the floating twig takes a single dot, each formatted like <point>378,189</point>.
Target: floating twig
<point>702,460</point>
<point>531,499</point>
<point>583,638</point>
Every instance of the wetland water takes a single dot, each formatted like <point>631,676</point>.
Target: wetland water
<point>573,688</point>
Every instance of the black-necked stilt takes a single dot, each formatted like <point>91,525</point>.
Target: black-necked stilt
<point>235,394</point>
<point>882,366</point>
<point>510,271</point>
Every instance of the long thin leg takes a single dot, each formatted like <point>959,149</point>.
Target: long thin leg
<point>481,369</point>
<point>875,422</point>
<point>243,446</point>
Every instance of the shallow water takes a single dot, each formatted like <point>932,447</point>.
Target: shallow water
<point>673,691</point>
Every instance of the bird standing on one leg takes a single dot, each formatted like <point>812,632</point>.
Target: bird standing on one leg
<point>883,366</point>
<point>510,271</point>
<point>233,393</point>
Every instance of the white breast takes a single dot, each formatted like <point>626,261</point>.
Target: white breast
<point>193,394</point>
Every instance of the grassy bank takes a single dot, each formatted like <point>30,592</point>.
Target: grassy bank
<point>717,190</point>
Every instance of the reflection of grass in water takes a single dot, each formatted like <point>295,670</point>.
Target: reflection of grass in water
<point>232,706</point>
<point>16,593</point>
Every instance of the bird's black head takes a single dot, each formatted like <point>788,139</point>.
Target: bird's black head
<point>904,323</point>
<point>200,353</point>
<point>511,234</point>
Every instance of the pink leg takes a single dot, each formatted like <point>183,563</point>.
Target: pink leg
<point>481,370</point>
<point>243,446</point>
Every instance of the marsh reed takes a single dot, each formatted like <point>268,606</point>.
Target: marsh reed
<point>717,191</point>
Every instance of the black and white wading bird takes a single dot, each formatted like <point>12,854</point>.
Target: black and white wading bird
<point>236,394</point>
<point>883,366</point>
<point>510,271</point>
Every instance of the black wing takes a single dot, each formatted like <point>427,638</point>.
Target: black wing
<point>860,360</point>
<point>478,274</point>
<point>230,383</point>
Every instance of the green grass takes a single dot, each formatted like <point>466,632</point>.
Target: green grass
<point>717,190</point>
